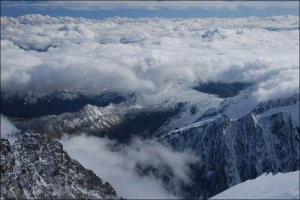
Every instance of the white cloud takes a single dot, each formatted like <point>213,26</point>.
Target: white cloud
<point>8,130</point>
<point>156,5</point>
<point>147,54</point>
<point>117,164</point>
<point>281,84</point>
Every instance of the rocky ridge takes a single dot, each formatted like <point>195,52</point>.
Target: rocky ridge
<point>37,167</point>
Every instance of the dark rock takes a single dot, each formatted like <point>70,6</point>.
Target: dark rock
<point>37,167</point>
<point>235,151</point>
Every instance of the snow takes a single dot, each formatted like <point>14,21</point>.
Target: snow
<point>174,94</point>
<point>266,186</point>
<point>240,105</point>
<point>176,133</point>
<point>293,110</point>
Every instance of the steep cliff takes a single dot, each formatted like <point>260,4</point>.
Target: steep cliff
<point>232,151</point>
<point>37,167</point>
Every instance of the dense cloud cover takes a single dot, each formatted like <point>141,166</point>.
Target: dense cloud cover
<point>118,164</point>
<point>42,53</point>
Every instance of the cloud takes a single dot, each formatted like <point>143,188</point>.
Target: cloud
<point>122,165</point>
<point>8,130</point>
<point>284,82</point>
<point>146,55</point>
<point>155,5</point>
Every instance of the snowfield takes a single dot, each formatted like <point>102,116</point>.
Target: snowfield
<point>266,186</point>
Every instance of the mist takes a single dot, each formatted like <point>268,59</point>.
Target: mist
<point>8,130</point>
<point>120,165</point>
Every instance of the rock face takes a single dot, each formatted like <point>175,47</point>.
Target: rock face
<point>37,167</point>
<point>115,121</point>
<point>232,151</point>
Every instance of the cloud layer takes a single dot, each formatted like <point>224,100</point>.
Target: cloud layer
<point>42,53</point>
<point>120,165</point>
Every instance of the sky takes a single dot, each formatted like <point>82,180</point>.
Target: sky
<point>140,9</point>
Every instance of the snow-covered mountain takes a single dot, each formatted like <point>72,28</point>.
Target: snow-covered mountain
<point>237,138</point>
<point>127,117</point>
<point>266,186</point>
<point>144,114</point>
<point>30,104</point>
<point>36,167</point>
<point>234,150</point>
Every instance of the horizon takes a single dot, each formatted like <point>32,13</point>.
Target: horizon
<point>151,9</point>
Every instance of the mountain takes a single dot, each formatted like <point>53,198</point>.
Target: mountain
<point>36,166</point>
<point>143,115</point>
<point>234,150</point>
<point>236,139</point>
<point>118,121</point>
<point>266,186</point>
<point>30,104</point>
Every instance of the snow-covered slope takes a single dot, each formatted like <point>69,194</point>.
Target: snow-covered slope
<point>98,120</point>
<point>90,118</point>
<point>191,102</point>
<point>239,149</point>
<point>266,186</point>
<point>36,167</point>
